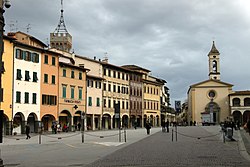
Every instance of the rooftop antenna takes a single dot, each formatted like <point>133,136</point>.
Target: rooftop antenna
<point>28,27</point>
<point>61,27</point>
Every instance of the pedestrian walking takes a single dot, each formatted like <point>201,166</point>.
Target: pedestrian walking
<point>79,126</point>
<point>163,126</point>
<point>148,127</point>
<point>167,125</point>
<point>27,131</point>
<point>135,124</point>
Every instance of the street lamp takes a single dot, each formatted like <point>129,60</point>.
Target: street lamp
<point>5,3</point>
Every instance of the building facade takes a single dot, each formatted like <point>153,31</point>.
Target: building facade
<point>72,97</point>
<point>239,102</point>
<point>49,88</point>
<point>210,96</point>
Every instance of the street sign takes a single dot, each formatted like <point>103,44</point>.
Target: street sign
<point>178,106</point>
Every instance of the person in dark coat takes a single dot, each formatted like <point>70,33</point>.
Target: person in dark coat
<point>27,131</point>
<point>167,125</point>
<point>79,126</point>
<point>148,127</point>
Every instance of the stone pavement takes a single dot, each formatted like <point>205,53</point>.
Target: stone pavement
<point>195,146</point>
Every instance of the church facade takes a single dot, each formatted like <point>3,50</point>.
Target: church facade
<point>208,101</point>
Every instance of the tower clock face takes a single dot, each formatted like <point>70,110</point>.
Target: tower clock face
<point>211,94</point>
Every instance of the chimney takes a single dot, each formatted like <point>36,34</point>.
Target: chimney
<point>94,58</point>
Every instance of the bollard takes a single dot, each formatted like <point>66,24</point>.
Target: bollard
<point>82,136</point>
<point>223,137</point>
<point>125,135</point>
<point>119,135</point>
<point>39,139</point>
<point>176,133</point>
<point>1,161</point>
<point>172,135</point>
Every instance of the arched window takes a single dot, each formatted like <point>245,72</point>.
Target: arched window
<point>236,102</point>
<point>214,66</point>
<point>247,102</point>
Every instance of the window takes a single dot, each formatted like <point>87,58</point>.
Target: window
<point>119,90</point>
<point>24,55</point>
<point>45,78</point>
<point>19,75</point>
<point>49,100</point>
<point>90,101</point>
<point>18,97</point>
<point>64,91</point>
<point>109,87</point>
<point>33,98</point>
<point>26,97</point>
<point>114,88</point>
<point>64,72</point>
<point>104,86</point>
<point>118,75</point>
<point>35,77</point>
<point>80,76</point>
<point>72,90</point>
<point>96,84</point>
<point>88,83</point>
<point>104,71</point>
<point>247,101</point>
<point>109,73</point>
<point>100,85</point>
<point>236,102</point>
<point>104,102</point>
<point>109,103</point>
<point>28,56</point>
<point>123,104</point>
<point>27,75</point>
<point>46,59</point>
<point>72,74</point>
<point>53,79</point>
<point>123,76</point>
<point>80,93</point>
<point>35,57</point>
<point>98,102</point>
<point>92,83</point>
<point>53,61</point>
<point>114,74</point>
<point>18,54</point>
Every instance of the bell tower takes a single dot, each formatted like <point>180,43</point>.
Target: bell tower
<point>214,63</point>
<point>60,38</point>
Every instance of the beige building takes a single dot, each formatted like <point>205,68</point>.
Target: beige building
<point>208,100</point>
<point>115,91</point>
<point>240,106</point>
<point>151,99</point>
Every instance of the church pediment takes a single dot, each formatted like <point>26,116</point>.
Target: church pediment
<point>211,83</point>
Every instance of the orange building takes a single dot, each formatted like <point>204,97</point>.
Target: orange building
<point>49,88</point>
<point>72,93</point>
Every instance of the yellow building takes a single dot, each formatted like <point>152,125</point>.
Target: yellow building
<point>7,83</point>
<point>208,100</point>
<point>151,99</point>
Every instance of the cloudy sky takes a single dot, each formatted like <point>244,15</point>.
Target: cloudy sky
<point>169,37</point>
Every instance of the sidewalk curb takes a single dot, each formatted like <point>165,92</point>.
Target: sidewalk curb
<point>242,148</point>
